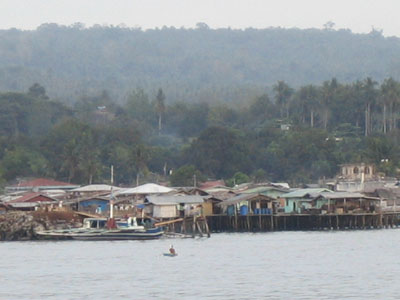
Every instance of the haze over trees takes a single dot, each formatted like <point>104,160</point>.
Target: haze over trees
<point>191,65</point>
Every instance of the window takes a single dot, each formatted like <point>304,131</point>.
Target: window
<point>355,170</point>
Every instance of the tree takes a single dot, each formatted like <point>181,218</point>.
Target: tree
<point>262,110</point>
<point>237,179</point>
<point>139,108</point>
<point>328,97</point>
<point>140,158</point>
<point>389,96</point>
<point>22,161</point>
<point>369,94</point>
<point>37,91</point>
<point>186,175</point>
<point>219,152</point>
<point>308,96</point>
<point>283,93</point>
<point>160,107</point>
<point>259,176</point>
<point>72,148</point>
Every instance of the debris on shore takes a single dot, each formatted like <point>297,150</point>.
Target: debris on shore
<point>22,226</point>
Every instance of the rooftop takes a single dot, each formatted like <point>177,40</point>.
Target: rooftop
<point>148,188</point>
<point>173,200</point>
<point>306,193</point>
<point>42,183</point>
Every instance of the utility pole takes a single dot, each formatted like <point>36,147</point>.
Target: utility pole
<point>112,175</point>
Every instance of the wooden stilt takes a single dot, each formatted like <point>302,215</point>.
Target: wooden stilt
<point>363,221</point>
<point>194,227</point>
<point>337,221</point>
<point>207,228</point>
<point>199,229</point>
<point>355,222</point>
<point>236,219</point>
<point>272,222</point>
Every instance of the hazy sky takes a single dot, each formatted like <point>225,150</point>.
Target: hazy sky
<point>357,15</point>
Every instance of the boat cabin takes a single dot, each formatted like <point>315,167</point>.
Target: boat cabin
<point>95,223</point>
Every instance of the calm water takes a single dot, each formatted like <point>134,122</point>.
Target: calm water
<point>282,265</point>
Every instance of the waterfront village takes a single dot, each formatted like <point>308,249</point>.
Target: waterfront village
<point>357,198</point>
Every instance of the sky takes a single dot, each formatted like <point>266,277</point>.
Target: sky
<point>360,16</point>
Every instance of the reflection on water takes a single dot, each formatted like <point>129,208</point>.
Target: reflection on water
<point>281,265</point>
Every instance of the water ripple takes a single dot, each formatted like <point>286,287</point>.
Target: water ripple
<point>281,265</point>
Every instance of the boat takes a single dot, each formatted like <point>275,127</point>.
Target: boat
<point>96,229</point>
<point>170,254</point>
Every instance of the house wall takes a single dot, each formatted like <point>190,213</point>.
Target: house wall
<point>354,171</point>
<point>273,194</point>
<point>294,205</point>
<point>291,205</point>
<point>165,211</point>
<point>94,204</point>
<point>357,186</point>
<point>207,208</point>
<point>322,201</point>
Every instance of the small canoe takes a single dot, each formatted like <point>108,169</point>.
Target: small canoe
<point>170,254</point>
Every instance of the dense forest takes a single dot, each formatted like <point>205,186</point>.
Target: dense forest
<point>291,134</point>
<point>167,104</point>
<point>192,65</point>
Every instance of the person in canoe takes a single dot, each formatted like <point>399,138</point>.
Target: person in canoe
<point>172,250</point>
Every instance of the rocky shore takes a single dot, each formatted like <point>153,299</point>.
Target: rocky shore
<point>22,226</point>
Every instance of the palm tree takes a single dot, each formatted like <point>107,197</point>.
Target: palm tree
<point>385,99</point>
<point>389,96</point>
<point>328,96</point>
<point>369,94</point>
<point>283,93</point>
<point>160,107</point>
<point>140,158</point>
<point>308,99</point>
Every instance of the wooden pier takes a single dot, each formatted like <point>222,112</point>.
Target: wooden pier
<point>186,227</point>
<point>261,223</point>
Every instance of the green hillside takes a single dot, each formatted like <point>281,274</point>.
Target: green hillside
<point>191,65</point>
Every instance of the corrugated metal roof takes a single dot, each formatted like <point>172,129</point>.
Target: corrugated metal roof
<point>346,195</point>
<point>262,189</point>
<point>148,188</point>
<point>27,204</point>
<point>96,188</point>
<point>28,197</point>
<point>173,200</point>
<point>301,193</point>
<point>219,189</point>
<point>244,197</point>
<point>43,182</point>
<point>212,184</point>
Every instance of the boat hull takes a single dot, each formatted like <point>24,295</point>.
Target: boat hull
<point>170,254</point>
<point>104,235</point>
<point>112,236</point>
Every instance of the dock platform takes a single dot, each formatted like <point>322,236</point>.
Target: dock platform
<point>277,222</point>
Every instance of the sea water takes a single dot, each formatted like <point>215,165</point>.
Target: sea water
<point>280,265</point>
